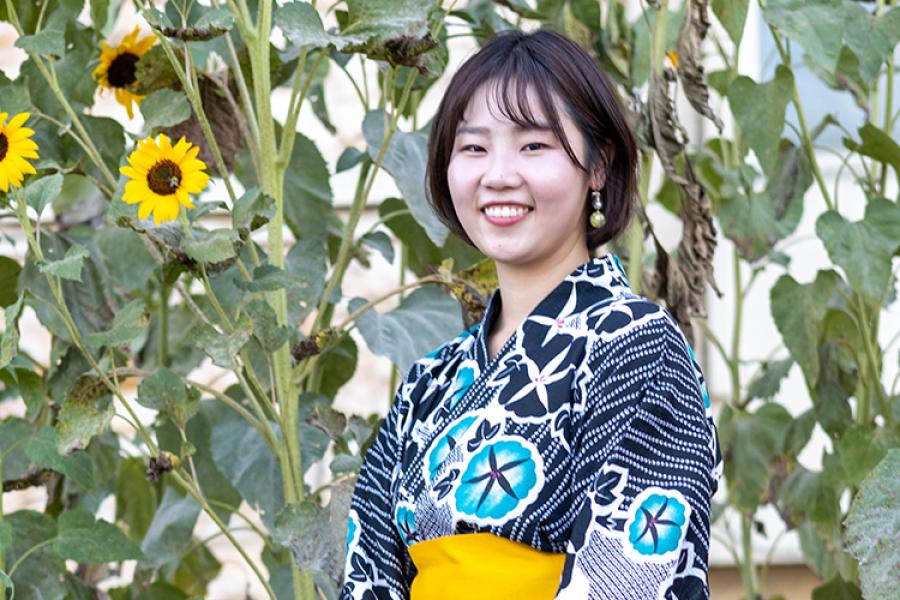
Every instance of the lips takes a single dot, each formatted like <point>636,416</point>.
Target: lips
<point>504,214</point>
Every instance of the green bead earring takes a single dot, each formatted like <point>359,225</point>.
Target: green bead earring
<point>598,220</point>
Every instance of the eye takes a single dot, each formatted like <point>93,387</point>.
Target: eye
<point>471,147</point>
<point>532,144</point>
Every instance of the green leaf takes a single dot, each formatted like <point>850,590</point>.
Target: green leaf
<point>69,266</point>
<point>372,26</point>
<point>85,540</point>
<point>39,574</point>
<point>873,527</point>
<point>43,191</point>
<point>114,243</point>
<point>8,583</point>
<point>50,41</point>
<point>221,348</point>
<point>268,278</point>
<point>304,528</point>
<point>87,411</point>
<point>9,338</point>
<point>245,460</point>
<point>345,463</point>
<point>798,310</point>
<point>170,532</point>
<point>405,160</point>
<point>751,440</point>
<point>864,249</point>
<point>817,25</point>
<point>732,14</point>
<point>878,145</point>
<point>32,390</point>
<point>164,108</point>
<point>109,137</point>
<point>270,334</point>
<point>302,26</point>
<point>216,18</point>
<point>759,109</point>
<point>860,452</point>
<point>306,260</point>
<point>424,320</point>
<point>9,281</point>
<point>212,246</point>
<point>837,589</point>
<point>337,365</point>
<point>129,324</point>
<point>136,499</point>
<point>872,38</point>
<point>769,381</point>
<point>41,450</point>
<point>808,495</point>
<point>14,433</point>
<point>253,210</point>
<point>166,392</point>
<point>381,242</point>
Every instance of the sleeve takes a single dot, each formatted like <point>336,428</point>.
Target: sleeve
<point>377,564</point>
<point>646,466</point>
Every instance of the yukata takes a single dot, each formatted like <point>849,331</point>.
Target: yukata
<point>589,434</point>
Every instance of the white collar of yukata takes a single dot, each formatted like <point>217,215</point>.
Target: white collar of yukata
<point>593,281</point>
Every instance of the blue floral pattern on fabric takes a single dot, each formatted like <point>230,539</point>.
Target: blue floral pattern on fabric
<point>496,480</point>
<point>445,445</point>
<point>658,523</point>
<point>406,524</point>
<point>461,384</point>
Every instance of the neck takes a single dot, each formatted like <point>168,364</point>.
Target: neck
<point>523,286</point>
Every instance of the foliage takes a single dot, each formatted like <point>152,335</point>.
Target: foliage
<point>146,301</point>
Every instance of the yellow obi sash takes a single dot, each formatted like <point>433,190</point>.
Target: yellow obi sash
<point>474,566</point>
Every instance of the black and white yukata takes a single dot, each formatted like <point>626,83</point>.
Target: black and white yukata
<point>596,417</point>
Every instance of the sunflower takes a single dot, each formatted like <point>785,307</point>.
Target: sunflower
<point>118,66</point>
<point>162,177</point>
<point>15,147</point>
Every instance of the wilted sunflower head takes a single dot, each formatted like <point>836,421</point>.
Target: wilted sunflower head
<point>15,147</point>
<point>163,176</point>
<point>118,67</point>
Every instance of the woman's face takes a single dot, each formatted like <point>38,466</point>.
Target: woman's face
<point>518,195</point>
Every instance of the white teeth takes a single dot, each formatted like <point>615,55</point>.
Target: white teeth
<point>504,212</point>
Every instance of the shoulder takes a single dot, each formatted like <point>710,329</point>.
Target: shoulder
<point>631,332</point>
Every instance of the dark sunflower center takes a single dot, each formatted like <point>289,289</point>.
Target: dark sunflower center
<point>122,69</point>
<point>4,146</point>
<point>164,177</point>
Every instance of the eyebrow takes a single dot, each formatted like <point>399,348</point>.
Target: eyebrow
<point>484,130</point>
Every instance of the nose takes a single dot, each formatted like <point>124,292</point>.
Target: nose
<point>502,171</point>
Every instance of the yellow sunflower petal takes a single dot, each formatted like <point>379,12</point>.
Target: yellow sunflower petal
<point>20,164</point>
<point>131,172</point>
<point>17,121</point>
<point>4,180</point>
<point>3,117</point>
<point>20,134</point>
<point>164,143</point>
<point>145,209</point>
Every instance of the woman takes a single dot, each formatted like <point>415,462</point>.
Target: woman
<point>564,446</point>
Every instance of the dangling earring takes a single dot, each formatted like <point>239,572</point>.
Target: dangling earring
<point>598,220</point>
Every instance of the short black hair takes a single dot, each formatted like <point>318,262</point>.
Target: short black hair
<point>551,64</point>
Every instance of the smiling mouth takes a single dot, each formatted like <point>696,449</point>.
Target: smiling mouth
<point>505,211</point>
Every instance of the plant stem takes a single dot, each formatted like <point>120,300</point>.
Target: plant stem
<point>190,489</point>
<point>735,360</point>
<point>805,140</point>
<point>747,569</point>
<point>163,323</point>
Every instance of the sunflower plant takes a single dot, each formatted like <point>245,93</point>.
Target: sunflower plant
<point>188,262</point>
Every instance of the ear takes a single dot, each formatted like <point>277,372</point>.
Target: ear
<point>602,166</point>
